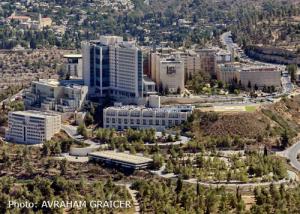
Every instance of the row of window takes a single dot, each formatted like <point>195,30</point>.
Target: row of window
<point>146,114</point>
<point>31,136</point>
<point>144,122</point>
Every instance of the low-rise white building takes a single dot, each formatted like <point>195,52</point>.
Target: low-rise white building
<point>141,117</point>
<point>227,73</point>
<point>254,75</point>
<point>260,76</point>
<point>120,159</point>
<point>32,127</point>
<point>51,94</point>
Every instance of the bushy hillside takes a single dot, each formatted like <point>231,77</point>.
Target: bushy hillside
<point>266,125</point>
<point>246,125</point>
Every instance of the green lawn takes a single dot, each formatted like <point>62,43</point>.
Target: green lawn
<point>250,108</point>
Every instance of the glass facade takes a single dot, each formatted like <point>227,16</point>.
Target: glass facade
<point>117,71</point>
<point>140,73</point>
<point>98,65</point>
<point>92,66</point>
<point>105,67</point>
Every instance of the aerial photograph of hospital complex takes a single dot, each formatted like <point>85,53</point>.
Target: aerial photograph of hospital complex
<point>150,106</point>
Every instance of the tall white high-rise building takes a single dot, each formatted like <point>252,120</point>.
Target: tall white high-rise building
<point>113,67</point>
<point>167,72</point>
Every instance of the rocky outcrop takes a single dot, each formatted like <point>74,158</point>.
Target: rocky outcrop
<point>272,55</point>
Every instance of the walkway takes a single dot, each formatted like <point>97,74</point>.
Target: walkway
<point>291,153</point>
<point>291,176</point>
<point>182,140</point>
<point>92,146</point>
<point>133,193</point>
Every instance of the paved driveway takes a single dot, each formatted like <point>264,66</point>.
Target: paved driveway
<point>291,153</point>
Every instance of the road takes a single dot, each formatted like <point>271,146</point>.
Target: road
<point>72,132</point>
<point>291,154</point>
<point>13,97</point>
<point>291,176</point>
<point>182,140</point>
<point>287,86</point>
<point>133,193</point>
<point>73,159</point>
<point>226,39</point>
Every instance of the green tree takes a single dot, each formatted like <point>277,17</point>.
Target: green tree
<point>63,164</point>
<point>157,161</point>
<point>88,120</point>
<point>179,185</point>
<point>292,70</point>
<point>82,130</point>
<point>284,139</point>
<point>249,85</point>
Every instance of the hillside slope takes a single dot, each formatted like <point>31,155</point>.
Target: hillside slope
<point>266,125</point>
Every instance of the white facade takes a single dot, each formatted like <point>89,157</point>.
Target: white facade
<point>139,117</point>
<point>223,56</point>
<point>148,86</point>
<point>111,40</point>
<point>73,65</point>
<point>259,75</point>
<point>124,71</point>
<point>113,67</point>
<point>194,61</point>
<point>32,127</point>
<point>171,74</point>
<point>167,72</point>
<point>52,95</point>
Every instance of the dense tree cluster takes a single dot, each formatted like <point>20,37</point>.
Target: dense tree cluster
<point>276,200</point>
<point>130,135</point>
<point>167,197</point>
<point>255,25</point>
<point>57,189</point>
<point>56,147</point>
<point>250,168</point>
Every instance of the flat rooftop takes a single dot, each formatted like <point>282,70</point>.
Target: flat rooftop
<point>31,113</point>
<point>147,80</point>
<point>174,109</point>
<point>49,82</point>
<point>255,68</point>
<point>56,83</point>
<point>122,157</point>
<point>73,56</point>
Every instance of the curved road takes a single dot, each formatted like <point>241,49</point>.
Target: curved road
<point>72,132</point>
<point>291,176</point>
<point>291,153</point>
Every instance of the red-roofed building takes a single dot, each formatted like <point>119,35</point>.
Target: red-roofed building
<point>21,19</point>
